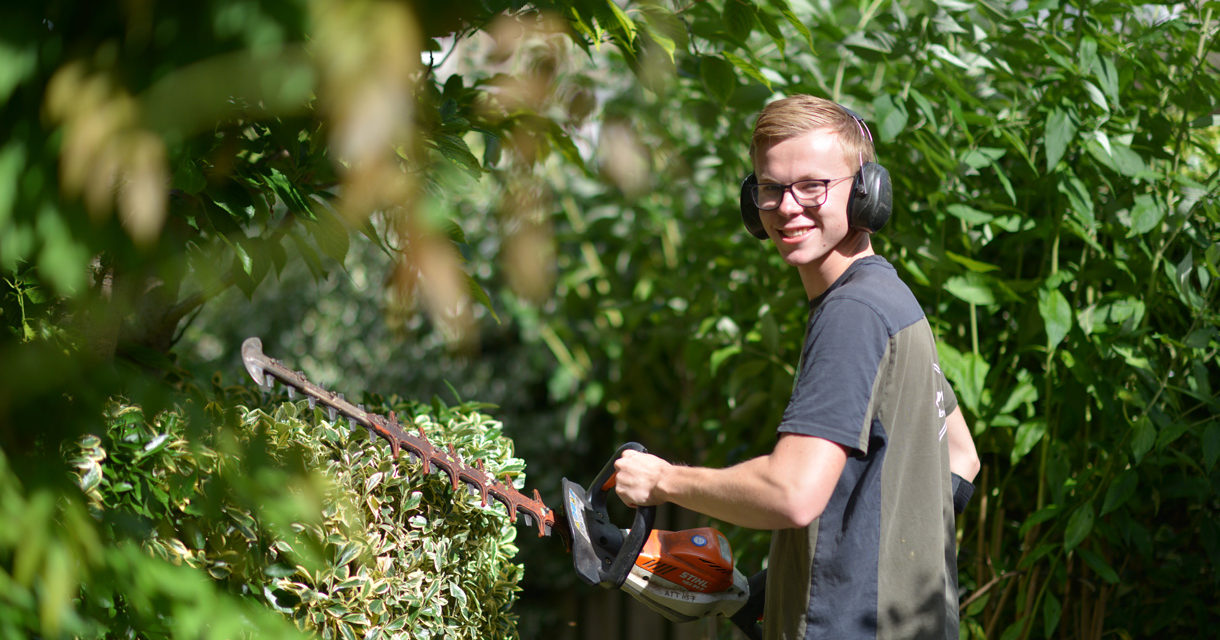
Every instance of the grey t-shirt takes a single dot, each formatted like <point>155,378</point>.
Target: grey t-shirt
<point>880,562</point>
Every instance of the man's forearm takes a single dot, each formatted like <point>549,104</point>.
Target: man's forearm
<point>784,489</point>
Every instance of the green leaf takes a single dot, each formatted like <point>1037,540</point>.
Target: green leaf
<point>1029,434</point>
<point>718,77</point>
<point>971,264</point>
<point>1056,316</point>
<point>1211,445</point>
<point>12,163</point>
<point>1052,609</point>
<point>968,214</point>
<point>330,233</point>
<point>1106,73</point>
<point>1098,564</point>
<point>456,150</point>
<point>891,117</point>
<point>665,28</point>
<point>1079,526</point>
<point>1080,202</point>
<point>982,157</point>
<point>799,24</point>
<point>748,68</point>
<point>738,19</point>
<point>722,354</point>
<point>17,64</point>
<point>1060,132</point>
<point>1120,491</point>
<point>971,288</point>
<point>64,260</point>
<point>1014,630</point>
<point>288,192</point>
<point>1146,214</point>
<point>624,21</point>
<point>1143,436</point>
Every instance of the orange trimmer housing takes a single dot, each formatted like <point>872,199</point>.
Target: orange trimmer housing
<point>698,559</point>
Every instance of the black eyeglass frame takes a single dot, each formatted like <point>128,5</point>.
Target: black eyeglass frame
<point>827,183</point>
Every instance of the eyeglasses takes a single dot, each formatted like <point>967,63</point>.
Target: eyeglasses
<point>807,193</point>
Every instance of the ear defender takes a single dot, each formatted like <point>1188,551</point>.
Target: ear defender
<point>749,211</point>
<point>872,198</point>
<point>868,207</point>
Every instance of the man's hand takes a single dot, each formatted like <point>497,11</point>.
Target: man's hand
<point>638,478</point>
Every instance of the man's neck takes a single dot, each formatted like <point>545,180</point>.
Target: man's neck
<point>817,277</point>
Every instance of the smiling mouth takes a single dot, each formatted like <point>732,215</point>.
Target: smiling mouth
<point>793,234</point>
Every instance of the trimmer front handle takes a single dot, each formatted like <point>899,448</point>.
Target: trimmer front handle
<point>600,552</point>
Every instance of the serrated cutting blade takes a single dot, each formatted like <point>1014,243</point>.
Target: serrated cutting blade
<point>266,370</point>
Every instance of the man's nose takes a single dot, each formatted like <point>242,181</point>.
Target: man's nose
<point>788,204</point>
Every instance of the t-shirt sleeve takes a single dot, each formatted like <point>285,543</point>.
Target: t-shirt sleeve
<point>950,397</point>
<point>839,362</point>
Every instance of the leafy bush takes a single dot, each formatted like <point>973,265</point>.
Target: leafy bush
<point>309,518</point>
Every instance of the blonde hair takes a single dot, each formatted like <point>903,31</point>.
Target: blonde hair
<point>797,115</point>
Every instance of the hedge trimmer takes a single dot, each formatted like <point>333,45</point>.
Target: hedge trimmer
<point>683,575</point>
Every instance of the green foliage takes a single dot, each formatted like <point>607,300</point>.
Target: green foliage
<point>288,511</point>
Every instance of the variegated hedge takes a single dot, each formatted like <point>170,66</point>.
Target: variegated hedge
<point>310,519</point>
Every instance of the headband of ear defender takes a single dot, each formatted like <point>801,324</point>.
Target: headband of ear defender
<point>868,207</point>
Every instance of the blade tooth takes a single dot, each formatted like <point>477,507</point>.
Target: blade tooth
<point>292,393</point>
<point>508,507</point>
<point>331,413</point>
<point>270,381</point>
<point>528,519</point>
<point>313,402</point>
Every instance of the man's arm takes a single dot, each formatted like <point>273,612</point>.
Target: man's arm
<point>786,488</point>
<point>963,459</point>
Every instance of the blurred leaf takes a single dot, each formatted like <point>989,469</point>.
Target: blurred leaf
<point>1060,133</point>
<point>1056,316</point>
<point>1146,214</point>
<point>1028,435</point>
<point>1079,526</point>
<point>970,288</point>
<point>718,77</point>
<point>1120,491</point>
<point>738,19</point>
<point>1052,611</point>
<point>1098,564</point>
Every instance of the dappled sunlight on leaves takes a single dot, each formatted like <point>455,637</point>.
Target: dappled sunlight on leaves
<point>106,154</point>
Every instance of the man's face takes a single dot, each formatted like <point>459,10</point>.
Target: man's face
<point>806,236</point>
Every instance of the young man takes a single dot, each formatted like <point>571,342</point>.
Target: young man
<point>858,486</point>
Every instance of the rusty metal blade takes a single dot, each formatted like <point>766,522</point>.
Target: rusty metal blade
<point>264,370</point>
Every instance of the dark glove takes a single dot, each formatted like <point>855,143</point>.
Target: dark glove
<point>962,490</point>
<point>748,616</point>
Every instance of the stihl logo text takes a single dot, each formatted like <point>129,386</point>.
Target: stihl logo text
<point>693,581</point>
